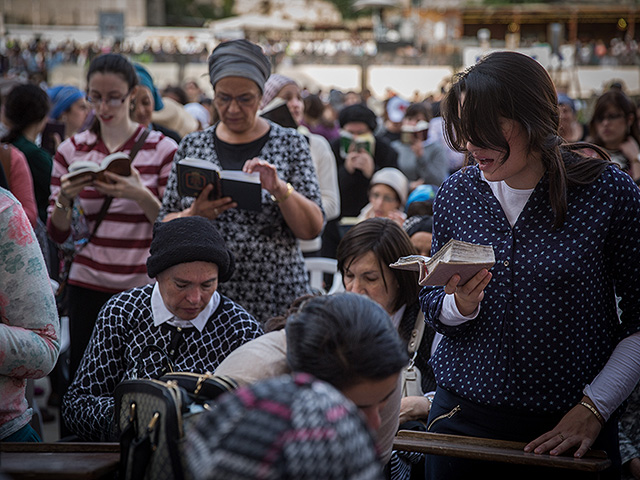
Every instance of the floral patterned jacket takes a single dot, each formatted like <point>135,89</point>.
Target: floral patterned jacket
<point>29,325</point>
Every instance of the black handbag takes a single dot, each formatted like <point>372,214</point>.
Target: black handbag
<point>152,416</point>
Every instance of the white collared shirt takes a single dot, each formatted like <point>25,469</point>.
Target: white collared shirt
<point>161,313</point>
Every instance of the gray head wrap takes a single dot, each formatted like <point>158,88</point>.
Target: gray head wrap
<point>239,58</point>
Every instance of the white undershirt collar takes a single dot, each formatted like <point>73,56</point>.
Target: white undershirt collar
<point>512,200</point>
<point>161,313</point>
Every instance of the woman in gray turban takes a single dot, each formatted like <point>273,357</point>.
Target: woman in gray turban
<point>270,272</point>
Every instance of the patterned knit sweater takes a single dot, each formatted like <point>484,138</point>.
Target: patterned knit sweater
<point>118,351</point>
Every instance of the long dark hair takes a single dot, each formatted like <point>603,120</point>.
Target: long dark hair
<point>25,105</point>
<point>344,339</point>
<point>514,86</point>
<point>388,242</point>
<point>116,64</point>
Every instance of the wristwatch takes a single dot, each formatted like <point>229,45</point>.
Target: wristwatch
<point>430,396</point>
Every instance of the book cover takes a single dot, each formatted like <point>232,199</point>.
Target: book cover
<point>278,112</point>
<point>244,188</point>
<point>118,163</point>
<point>455,257</point>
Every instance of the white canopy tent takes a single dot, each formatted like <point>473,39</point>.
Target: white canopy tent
<point>235,27</point>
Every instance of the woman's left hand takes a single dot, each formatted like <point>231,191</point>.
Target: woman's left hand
<point>630,149</point>
<point>269,178</point>
<point>579,427</point>
<point>130,187</point>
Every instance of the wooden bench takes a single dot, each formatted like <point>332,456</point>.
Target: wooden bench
<point>495,451</point>
<point>53,461</point>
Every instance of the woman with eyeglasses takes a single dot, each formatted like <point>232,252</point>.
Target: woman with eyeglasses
<point>271,272</point>
<point>114,258</point>
<point>614,127</point>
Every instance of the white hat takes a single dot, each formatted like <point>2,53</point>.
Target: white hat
<point>394,178</point>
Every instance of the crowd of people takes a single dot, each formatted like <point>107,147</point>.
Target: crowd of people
<point>543,348</point>
<point>36,57</point>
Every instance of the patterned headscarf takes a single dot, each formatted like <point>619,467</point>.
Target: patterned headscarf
<point>239,58</point>
<point>275,83</point>
<point>286,427</point>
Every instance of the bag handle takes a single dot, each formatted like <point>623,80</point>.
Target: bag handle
<point>154,348</point>
<point>416,337</point>
<point>107,201</point>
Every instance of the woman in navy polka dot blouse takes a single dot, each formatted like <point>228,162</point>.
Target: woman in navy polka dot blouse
<point>533,350</point>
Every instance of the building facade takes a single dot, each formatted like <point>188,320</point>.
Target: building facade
<point>71,12</point>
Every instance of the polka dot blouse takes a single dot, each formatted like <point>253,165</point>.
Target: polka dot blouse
<point>548,321</point>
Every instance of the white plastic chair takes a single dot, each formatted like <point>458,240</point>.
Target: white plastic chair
<point>317,268</point>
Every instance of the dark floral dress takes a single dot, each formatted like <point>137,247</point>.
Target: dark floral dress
<point>270,270</point>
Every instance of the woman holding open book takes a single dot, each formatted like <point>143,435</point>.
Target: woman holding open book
<point>533,351</point>
<point>114,258</point>
<point>270,272</point>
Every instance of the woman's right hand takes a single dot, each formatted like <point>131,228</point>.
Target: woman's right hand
<point>71,186</point>
<point>469,295</point>
<point>210,209</point>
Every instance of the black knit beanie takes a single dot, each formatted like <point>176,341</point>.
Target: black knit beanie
<point>189,239</point>
<point>358,113</point>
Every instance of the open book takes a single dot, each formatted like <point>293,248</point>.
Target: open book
<point>244,188</point>
<point>118,162</point>
<point>455,257</point>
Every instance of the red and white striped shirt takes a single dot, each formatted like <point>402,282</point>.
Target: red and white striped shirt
<point>115,259</point>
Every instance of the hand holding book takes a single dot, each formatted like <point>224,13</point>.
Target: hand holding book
<point>118,163</point>
<point>454,258</point>
<point>194,175</point>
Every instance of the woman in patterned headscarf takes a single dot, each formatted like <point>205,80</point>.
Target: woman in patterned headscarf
<point>271,271</point>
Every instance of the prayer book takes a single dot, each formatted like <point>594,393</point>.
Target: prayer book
<point>244,188</point>
<point>118,162</point>
<point>455,257</point>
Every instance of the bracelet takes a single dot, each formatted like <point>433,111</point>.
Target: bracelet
<point>286,195</point>
<point>594,411</point>
<point>62,207</point>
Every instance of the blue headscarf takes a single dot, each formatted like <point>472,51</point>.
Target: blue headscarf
<point>62,97</point>
<point>422,193</point>
<point>146,81</point>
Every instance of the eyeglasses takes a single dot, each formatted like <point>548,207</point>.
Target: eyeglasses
<point>611,117</point>
<point>96,100</point>
<point>246,100</point>
<point>385,198</point>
